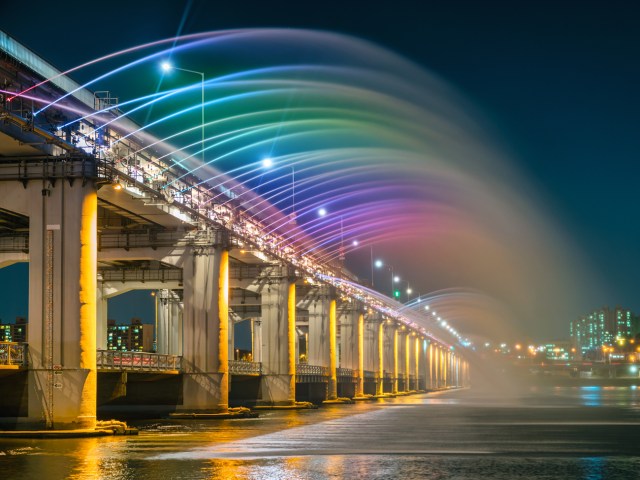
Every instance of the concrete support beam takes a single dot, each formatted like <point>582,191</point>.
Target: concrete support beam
<point>352,345</point>
<point>278,381</point>
<point>206,320</point>
<point>360,384</point>
<point>381,355</point>
<point>406,350</point>
<point>319,349</point>
<point>391,360</point>
<point>169,322</point>
<point>332,387</point>
<point>62,305</point>
<point>422,363</point>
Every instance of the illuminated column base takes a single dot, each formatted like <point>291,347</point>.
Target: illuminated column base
<point>62,379</point>
<point>277,330</point>
<point>205,319</point>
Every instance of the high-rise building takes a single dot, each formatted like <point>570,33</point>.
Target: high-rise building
<point>14,332</point>
<point>134,337</point>
<point>600,327</point>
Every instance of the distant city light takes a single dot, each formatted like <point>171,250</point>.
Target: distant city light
<point>378,264</point>
<point>322,212</point>
<point>355,243</point>
<point>267,162</point>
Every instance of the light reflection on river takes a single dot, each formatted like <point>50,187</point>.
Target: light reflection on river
<point>588,433</point>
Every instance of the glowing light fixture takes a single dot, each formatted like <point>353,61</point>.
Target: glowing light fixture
<point>322,211</point>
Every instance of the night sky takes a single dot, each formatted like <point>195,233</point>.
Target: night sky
<point>557,84</point>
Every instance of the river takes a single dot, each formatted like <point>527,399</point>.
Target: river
<point>588,433</point>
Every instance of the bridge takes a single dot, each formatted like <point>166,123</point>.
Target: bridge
<point>96,208</point>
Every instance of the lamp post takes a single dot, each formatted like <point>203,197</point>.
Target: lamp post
<point>167,67</point>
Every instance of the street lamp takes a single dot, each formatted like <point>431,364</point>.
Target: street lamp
<point>167,67</point>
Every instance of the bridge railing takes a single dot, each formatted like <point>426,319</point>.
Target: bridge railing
<point>139,361</point>
<point>12,353</point>
<point>316,370</point>
<point>345,372</point>
<point>241,367</point>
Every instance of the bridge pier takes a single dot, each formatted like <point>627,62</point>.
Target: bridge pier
<point>422,363</point>
<point>352,344</point>
<point>322,336</point>
<point>62,379</point>
<point>381,357</point>
<point>169,310</point>
<point>278,381</point>
<point>433,362</point>
<point>206,322</point>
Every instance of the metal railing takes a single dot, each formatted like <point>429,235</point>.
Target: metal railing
<point>138,361</point>
<point>369,374</point>
<point>12,353</point>
<point>306,369</point>
<point>345,372</point>
<point>242,367</point>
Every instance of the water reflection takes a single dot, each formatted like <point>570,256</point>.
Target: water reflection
<point>569,433</point>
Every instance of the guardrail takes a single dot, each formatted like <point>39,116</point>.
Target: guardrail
<point>13,354</point>
<point>345,372</point>
<point>138,361</point>
<point>306,369</point>
<point>241,367</point>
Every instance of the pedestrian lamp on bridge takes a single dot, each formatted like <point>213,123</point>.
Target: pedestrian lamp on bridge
<point>168,67</point>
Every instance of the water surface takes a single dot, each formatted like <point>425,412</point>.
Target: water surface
<point>544,433</point>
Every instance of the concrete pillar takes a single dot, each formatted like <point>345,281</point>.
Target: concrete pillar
<point>62,305</point>
<point>169,322</point>
<point>206,319</point>
<point>392,336</point>
<point>256,340</point>
<point>332,387</point>
<point>407,360</point>
<point>278,334</point>
<point>416,370</point>
<point>319,349</point>
<point>101,320</point>
<point>430,365</point>
<point>352,345</point>
<point>423,364</point>
<point>445,371</point>
<point>370,345</point>
<point>381,359</point>
<point>174,331</point>
<point>436,366</point>
<point>162,317</point>
<point>360,384</point>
